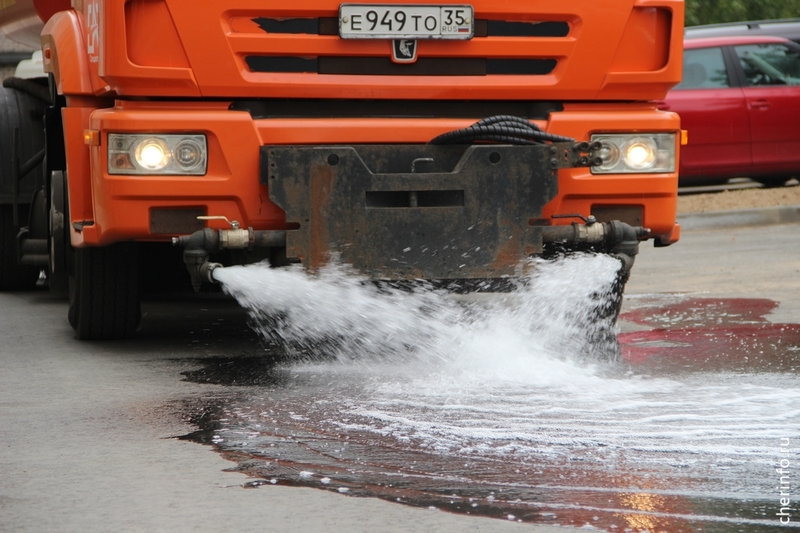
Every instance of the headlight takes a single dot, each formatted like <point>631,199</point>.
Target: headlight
<point>152,154</point>
<point>636,153</point>
<point>157,154</point>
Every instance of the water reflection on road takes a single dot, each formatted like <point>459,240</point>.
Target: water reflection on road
<point>683,434</point>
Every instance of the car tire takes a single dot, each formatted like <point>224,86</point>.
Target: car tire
<point>771,181</point>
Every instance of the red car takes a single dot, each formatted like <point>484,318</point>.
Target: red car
<point>740,102</point>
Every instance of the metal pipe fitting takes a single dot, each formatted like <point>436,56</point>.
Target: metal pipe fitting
<point>200,244</point>
<point>615,237</point>
<point>576,233</point>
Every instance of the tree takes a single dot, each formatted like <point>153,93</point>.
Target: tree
<point>711,11</point>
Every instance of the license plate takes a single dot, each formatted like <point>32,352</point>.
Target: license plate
<point>404,21</point>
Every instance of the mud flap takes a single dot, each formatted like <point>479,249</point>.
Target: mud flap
<point>415,211</point>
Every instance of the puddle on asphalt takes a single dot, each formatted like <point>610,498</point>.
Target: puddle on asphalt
<point>494,410</point>
<point>703,334</point>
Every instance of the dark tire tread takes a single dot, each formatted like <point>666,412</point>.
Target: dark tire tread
<point>104,303</point>
<point>22,111</point>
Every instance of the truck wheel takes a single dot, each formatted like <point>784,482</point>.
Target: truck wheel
<point>104,293</point>
<point>13,276</point>
<point>21,111</point>
<point>18,110</point>
<point>58,278</point>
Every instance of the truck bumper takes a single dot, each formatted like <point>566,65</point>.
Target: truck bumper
<point>108,208</point>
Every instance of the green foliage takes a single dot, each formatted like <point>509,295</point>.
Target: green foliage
<point>711,11</point>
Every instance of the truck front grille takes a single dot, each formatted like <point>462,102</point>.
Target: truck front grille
<point>383,66</point>
<point>270,108</point>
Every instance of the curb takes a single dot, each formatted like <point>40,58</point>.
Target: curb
<point>737,218</point>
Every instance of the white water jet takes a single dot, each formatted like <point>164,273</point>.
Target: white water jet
<point>551,318</point>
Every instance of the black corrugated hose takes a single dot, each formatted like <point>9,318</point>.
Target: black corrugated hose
<point>504,129</point>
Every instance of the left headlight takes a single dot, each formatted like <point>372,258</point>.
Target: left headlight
<point>149,154</point>
<point>636,153</point>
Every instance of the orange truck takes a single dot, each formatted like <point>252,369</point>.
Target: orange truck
<point>428,139</point>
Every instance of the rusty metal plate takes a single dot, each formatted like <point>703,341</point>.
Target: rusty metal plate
<point>415,211</point>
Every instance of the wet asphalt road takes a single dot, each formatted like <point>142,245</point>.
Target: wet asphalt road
<point>87,429</point>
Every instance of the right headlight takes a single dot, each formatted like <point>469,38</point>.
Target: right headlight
<point>635,153</point>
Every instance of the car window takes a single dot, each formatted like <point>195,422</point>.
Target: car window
<point>704,68</point>
<point>770,64</point>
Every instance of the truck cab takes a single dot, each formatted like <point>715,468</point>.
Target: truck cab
<point>423,140</point>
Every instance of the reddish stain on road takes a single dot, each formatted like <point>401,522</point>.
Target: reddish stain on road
<point>712,334</point>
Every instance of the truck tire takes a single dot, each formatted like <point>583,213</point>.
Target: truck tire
<point>13,276</point>
<point>104,293</point>
<point>24,111</point>
<point>57,276</point>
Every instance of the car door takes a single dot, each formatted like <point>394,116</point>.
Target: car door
<point>714,112</point>
<point>772,90</point>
